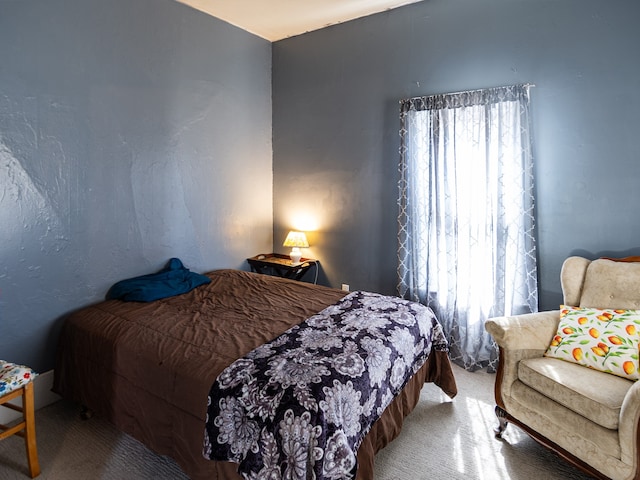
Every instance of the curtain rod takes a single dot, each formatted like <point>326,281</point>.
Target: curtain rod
<point>528,85</point>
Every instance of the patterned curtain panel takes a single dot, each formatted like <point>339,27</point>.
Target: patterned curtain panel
<point>466,244</point>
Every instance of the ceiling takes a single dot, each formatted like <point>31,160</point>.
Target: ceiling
<point>277,19</point>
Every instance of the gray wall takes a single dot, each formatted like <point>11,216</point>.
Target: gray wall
<point>335,123</point>
<point>134,131</point>
<point>130,132</point>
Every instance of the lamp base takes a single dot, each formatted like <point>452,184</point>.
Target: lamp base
<point>295,255</point>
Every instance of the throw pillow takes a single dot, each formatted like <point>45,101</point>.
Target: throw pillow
<point>603,339</point>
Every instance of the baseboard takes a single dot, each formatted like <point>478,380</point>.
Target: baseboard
<point>43,396</point>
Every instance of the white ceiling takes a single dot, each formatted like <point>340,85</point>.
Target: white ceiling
<point>278,19</point>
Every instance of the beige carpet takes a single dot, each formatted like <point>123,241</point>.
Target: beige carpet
<point>441,439</point>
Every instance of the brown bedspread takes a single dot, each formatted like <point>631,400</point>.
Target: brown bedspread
<point>148,367</point>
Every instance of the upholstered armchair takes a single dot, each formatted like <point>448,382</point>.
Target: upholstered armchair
<point>562,377</point>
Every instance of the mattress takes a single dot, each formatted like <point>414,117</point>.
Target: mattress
<point>148,367</point>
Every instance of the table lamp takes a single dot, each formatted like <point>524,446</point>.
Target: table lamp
<point>296,240</point>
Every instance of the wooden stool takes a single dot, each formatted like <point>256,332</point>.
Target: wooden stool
<point>16,381</point>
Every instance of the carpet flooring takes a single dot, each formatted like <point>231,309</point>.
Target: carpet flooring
<point>441,439</point>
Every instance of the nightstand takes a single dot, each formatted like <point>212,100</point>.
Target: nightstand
<point>280,265</point>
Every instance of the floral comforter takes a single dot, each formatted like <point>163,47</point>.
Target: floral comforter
<point>299,406</point>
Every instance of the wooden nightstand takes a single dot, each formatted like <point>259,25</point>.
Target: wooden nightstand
<point>280,265</point>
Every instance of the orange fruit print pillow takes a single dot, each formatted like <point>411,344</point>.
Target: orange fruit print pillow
<point>603,339</point>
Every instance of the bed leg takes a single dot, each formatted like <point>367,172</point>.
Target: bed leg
<point>502,422</point>
<point>85,413</point>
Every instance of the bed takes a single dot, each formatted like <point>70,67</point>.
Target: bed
<point>150,367</point>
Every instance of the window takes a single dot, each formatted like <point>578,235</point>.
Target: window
<point>466,244</point>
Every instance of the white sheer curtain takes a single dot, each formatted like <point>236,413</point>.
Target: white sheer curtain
<point>466,244</point>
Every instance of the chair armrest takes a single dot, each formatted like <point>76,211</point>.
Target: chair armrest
<point>519,337</point>
<point>531,331</point>
<point>628,425</point>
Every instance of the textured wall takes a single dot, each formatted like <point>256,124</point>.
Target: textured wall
<point>130,132</point>
<point>335,140</point>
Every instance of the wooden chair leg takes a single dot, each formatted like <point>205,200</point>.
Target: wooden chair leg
<point>30,430</point>
<point>502,422</point>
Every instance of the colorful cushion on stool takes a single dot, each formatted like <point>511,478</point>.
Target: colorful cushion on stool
<point>13,376</point>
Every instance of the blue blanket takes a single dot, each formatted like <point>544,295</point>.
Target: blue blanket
<point>172,280</point>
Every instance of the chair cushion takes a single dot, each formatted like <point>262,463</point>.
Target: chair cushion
<point>595,395</point>
<point>14,376</point>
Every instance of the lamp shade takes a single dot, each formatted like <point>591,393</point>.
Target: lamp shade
<point>296,239</point>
